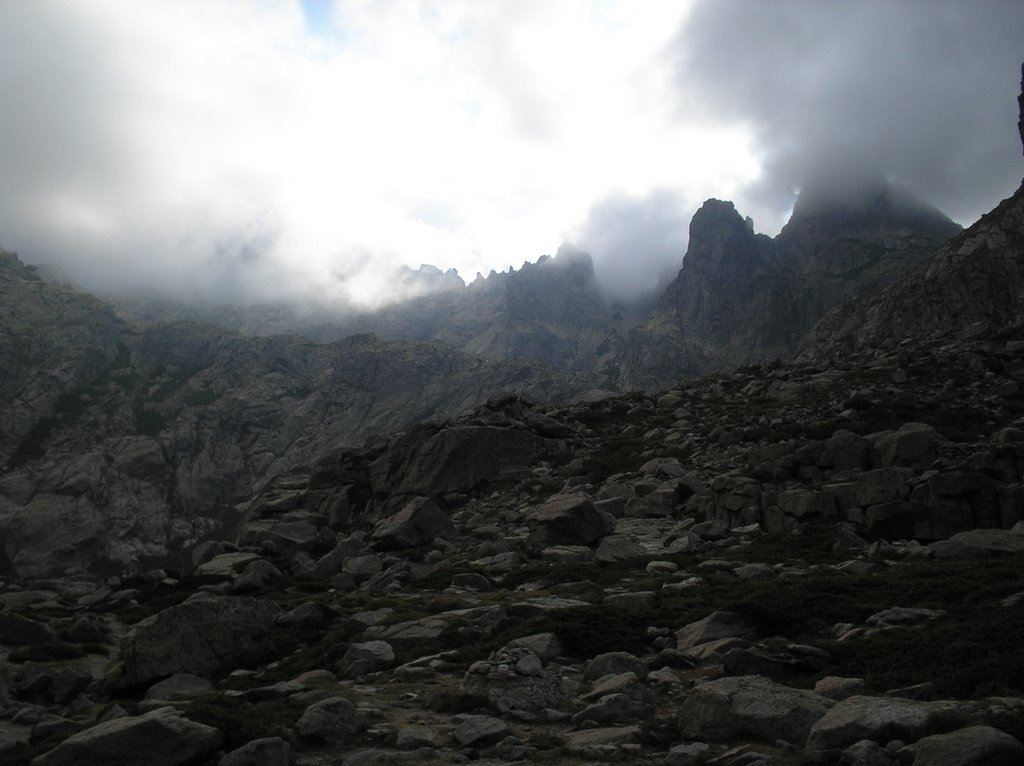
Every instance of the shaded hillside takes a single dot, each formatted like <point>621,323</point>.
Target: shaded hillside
<point>126,442</point>
<point>742,298</point>
<point>553,311</point>
<point>978,277</point>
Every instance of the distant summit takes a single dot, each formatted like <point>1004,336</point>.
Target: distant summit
<point>744,298</point>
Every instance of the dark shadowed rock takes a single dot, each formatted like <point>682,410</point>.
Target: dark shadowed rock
<point>480,731</point>
<point>433,463</point>
<point>568,520</point>
<point>16,629</point>
<point>160,738</point>
<point>973,746</point>
<point>750,706</point>
<point>269,751</point>
<point>201,636</point>
<point>715,626</point>
<point>366,657</point>
<point>881,719</point>
<point>420,522</point>
<point>334,720</point>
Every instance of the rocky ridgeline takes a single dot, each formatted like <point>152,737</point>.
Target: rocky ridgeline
<point>792,564</point>
<point>122,443</point>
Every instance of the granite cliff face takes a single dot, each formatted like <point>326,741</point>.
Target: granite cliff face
<point>552,311</point>
<point>744,298</point>
<point>124,443</point>
<point>975,278</point>
<point>974,281</point>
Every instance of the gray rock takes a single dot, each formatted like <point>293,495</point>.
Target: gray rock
<point>612,709</point>
<point>617,683</point>
<point>979,542</point>
<point>546,646</point>
<point>334,720</point>
<point>364,567</point>
<point>412,737</point>
<point>366,657</point>
<point>618,548</point>
<point>973,746</point>
<point>88,628</point>
<point>419,523</point>
<point>16,630</point>
<point>837,688</point>
<point>715,626</point>
<point>226,565</point>
<point>480,731</point>
<point>846,451</point>
<point>568,520</point>
<point>506,689</point>
<point>581,741</point>
<point>611,663</point>
<point>181,686</point>
<point>750,706</point>
<point>256,575</point>
<point>159,738</point>
<point>688,754</point>
<point>880,719</point>
<point>201,636</point>
<point>472,581</point>
<point>311,614</point>
<point>914,444</point>
<point>455,459</point>
<point>867,753</point>
<point>269,751</point>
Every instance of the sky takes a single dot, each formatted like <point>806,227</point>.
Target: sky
<point>302,150</point>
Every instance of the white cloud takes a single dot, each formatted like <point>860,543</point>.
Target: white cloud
<point>239,148</point>
<point>231,147</point>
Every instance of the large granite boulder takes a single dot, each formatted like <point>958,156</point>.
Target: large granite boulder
<point>750,706</point>
<point>158,738</point>
<point>457,459</point>
<point>881,719</point>
<point>568,520</point>
<point>973,746</point>
<point>202,636</point>
<point>419,523</point>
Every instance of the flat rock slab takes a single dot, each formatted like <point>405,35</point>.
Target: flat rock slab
<point>576,741</point>
<point>226,564</point>
<point>979,542</point>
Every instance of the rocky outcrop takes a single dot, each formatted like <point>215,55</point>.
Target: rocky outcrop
<point>202,636</point>
<point>126,445</point>
<point>552,311</point>
<point>743,298</point>
<point>974,278</point>
<point>750,706</point>
<point>161,737</point>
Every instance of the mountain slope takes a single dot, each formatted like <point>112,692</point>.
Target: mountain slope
<point>976,277</point>
<point>744,298</point>
<point>131,441</point>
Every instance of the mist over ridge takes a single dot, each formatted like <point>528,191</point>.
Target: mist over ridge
<point>281,158</point>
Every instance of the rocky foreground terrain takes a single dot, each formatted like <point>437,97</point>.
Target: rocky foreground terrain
<point>816,562</point>
<point>802,563</point>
